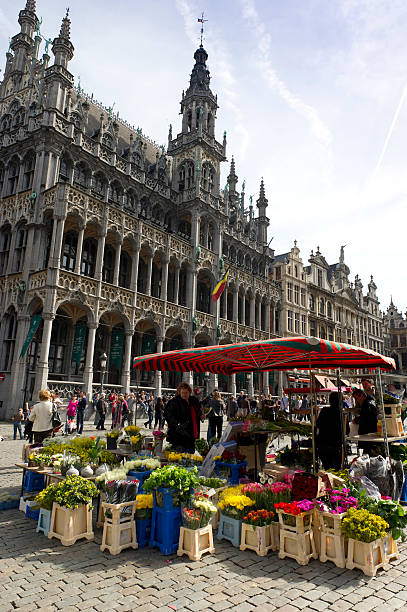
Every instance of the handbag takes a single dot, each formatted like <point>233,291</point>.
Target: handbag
<point>56,419</point>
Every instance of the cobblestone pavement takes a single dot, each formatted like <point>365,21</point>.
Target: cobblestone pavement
<point>40,574</point>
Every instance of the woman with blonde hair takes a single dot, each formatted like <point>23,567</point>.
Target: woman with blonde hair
<point>41,415</point>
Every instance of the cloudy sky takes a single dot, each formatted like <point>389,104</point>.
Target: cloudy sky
<point>311,94</point>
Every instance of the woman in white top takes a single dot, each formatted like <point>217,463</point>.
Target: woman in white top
<point>41,415</point>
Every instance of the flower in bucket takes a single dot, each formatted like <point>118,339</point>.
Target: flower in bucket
<point>336,501</point>
<point>191,518</point>
<point>159,435</point>
<point>144,506</point>
<point>363,526</point>
<point>295,508</point>
<point>173,477</point>
<point>259,518</point>
<point>234,503</point>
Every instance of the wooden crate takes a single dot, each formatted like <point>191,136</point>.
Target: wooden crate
<point>391,549</point>
<point>332,548</point>
<point>119,531</point>
<point>298,546</point>
<point>394,426</point>
<point>71,525</point>
<point>368,557</point>
<point>259,539</point>
<point>195,542</point>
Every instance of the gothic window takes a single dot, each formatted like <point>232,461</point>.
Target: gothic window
<point>76,120</point>
<point>108,264</point>
<point>311,302</point>
<point>144,208</point>
<point>115,192</point>
<point>262,269</point>
<point>19,250</point>
<point>125,270</point>
<point>203,294</point>
<point>240,258</point>
<point>89,254</point>
<point>184,228</point>
<point>142,276</point>
<point>255,266</point>
<point>156,280</point>
<point>13,172</point>
<point>322,333</point>
<point>232,254</point>
<point>182,290</point>
<point>329,310</point>
<point>319,278</point>
<point>186,176</point>
<point>157,214</point>
<point>29,167</point>
<point>225,249</point>
<point>5,239</point>
<point>6,123</point>
<point>312,328</point>
<point>207,177</point>
<point>2,172</point>
<point>107,140</point>
<point>8,339</point>
<point>289,320</point>
<point>19,117</point>
<point>81,175</point>
<point>322,306</point>
<point>330,333</point>
<point>198,112</point>
<point>58,346</point>
<point>211,233</point>
<point>69,251</point>
<point>296,271</point>
<point>248,262</point>
<point>99,185</point>
<point>65,168</point>
<point>130,200</point>
<point>278,272</point>
<point>209,122</point>
<point>189,120</point>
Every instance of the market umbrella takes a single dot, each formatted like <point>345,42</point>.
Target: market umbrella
<point>303,352</point>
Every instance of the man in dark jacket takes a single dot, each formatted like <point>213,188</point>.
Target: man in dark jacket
<point>329,434</point>
<point>183,414</point>
<point>367,410</point>
<point>80,412</point>
<point>101,408</point>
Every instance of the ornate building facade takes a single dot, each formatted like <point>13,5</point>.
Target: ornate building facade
<point>109,244</point>
<point>395,338</point>
<point>320,300</point>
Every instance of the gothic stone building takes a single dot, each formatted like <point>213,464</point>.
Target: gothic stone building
<point>109,244</point>
<point>395,338</point>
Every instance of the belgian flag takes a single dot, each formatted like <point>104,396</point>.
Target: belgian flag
<point>220,287</point>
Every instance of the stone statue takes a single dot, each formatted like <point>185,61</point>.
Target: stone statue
<point>170,132</point>
<point>10,42</point>
<point>37,27</point>
<point>221,265</point>
<point>243,186</point>
<point>251,201</point>
<point>342,254</point>
<point>110,110</point>
<point>198,253</point>
<point>48,41</point>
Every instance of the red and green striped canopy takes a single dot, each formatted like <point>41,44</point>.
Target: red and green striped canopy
<point>276,354</point>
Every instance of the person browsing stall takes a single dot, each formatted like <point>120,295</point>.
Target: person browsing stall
<point>183,414</point>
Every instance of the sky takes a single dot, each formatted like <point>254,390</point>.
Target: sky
<point>312,95</point>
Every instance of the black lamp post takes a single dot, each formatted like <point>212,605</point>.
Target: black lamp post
<point>103,363</point>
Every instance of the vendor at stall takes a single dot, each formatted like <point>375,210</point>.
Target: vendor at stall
<point>329,434</point>
<point>366,409</point>
<point>183,414</point>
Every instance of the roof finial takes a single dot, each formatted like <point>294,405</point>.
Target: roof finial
<point>201,20</point>
<point>65,26</point>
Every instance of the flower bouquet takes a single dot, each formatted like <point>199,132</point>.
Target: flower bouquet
<point>144,506</point>
<point>366,533</point>
<point>296,514</point>
<point>259,518</point>
<point>233,503</point>
<point>176,480</point>
<point>267,495</point>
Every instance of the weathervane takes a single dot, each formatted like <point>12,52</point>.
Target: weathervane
<point>201,20</point>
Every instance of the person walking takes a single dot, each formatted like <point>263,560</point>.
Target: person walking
<point>18,419</point>
<point>71,414</point>
<point>118,411</point>
<point>149,421</point>
<point>41,415</point>
<point>80,412</point>
<point>101,409</point>
<point>159,413</point>
<point>131,403</point>
<point>215,416</point>
<point>233,407</point>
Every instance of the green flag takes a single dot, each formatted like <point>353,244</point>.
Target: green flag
<point>79,340</point>
<point>116,348</point>
<point>35,321</point>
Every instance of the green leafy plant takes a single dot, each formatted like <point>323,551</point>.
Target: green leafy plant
<point>212,483</point>
<point>202,447</point>
<point>46,497</point>
<point>173,477</point>
<point>395,515</point>
<point>74,491</point>
<point>364,526</point>
<point>115,433</point>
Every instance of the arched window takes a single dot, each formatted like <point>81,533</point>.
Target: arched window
<point>248,262</point>
<point>130,200</point>
<point>232,254</point>
<point>69,251</point>
<point>239,258</point>
<point>29,167</point>
<point>329,309</point>
<point>89,253</point>
<point>207,177</point>
<point>197,116</point>
<point>211,233</point>
<point>186,176</point>
<point>19,117</point>
<point>19,249</point>
<point>81,175</point>
<point>156,272</point>
<point>255,266</point>
<point>107,140</point>
<point>108,264</point>
<point>209,122</point>
<point>184,228</point>
<point>189,120</point>
<point>311,302</point>
<point>5,239</point>
<point>115,192</point>
<point>99,185</point>
<point>157,214</point>
<point>65,169</point>
<point>125,270</point>
<point>13,172</point>
<point>58,346</point>
<point>144,208</point>
<point>321,306</point>
<point>6,123</point>
<point>8,339</point>
<point>142,275</point>
<point>203,293</point>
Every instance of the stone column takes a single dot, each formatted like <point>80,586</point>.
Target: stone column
<point>90,350</point>
<point>267,316</point>
<point>100,255</point>
<point>253,312</point>
<point>41,377</point>
<point>164,277</point>
<point>176,288</point>
<point>244,309</point>
<point>149,273</point>
<point>55,255</point>
<point>250,386</point>
<point>117,262</point>
<point>233,384</point>
<point>127,361</point>
<point>158,375</point>
<point>191,288</point>
<point>236,305</point>
<point>79,250</point>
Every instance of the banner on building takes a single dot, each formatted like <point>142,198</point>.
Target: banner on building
<point>148,345</point>
<point>35,321</point>
<point>78,342</point>
<point>116,348</point>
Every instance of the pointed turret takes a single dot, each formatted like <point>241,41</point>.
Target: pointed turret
<point>232,177</point>
<point>22,43</point>
<point>58,79</point>
<point>62,47</point>
<point>263,220</point>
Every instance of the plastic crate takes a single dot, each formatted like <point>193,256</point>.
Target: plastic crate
<point>141,477</point>
<point>44,521</point>
<point>143,530</point>
<point>32,514</point>
<point>230,529</point>
<point>9,504</point>
<point>165,529</point>
<point>234,470</point>
<point>33,481</point>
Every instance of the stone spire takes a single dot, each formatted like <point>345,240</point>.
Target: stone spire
<point>65,31</point>
<point>232,178</point>
<point>263,221</point>
<point>62,47</point>
<point>30,6</point>
<point>22,43</point>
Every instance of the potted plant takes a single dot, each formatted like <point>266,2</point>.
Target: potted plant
<point>202,447</point>
<point>232,505</point>
<point>144,510</point>
<point>296,536</point>
<point>159,437</point>
<point>330,509</point>
<point>257,532</point>
<point>111,439</point>
<point>366,533</point>
<point>396,516</point>
<point>196,537</point>
<point>71,517</point>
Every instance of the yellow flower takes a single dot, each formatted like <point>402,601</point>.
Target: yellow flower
<point>144,501</point>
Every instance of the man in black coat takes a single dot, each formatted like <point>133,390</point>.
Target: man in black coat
<point>367,419</point>
<point>183,414</point>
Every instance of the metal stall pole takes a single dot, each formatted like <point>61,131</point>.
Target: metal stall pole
<point>344,461</point>
<point>382,414</point>
<point>313,422</point>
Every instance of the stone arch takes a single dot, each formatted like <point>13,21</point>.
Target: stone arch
<point>204,287</point>
<point>82,175</point>
<point>115,192</point>
<point>99,184</point>
<point>146,333</point>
